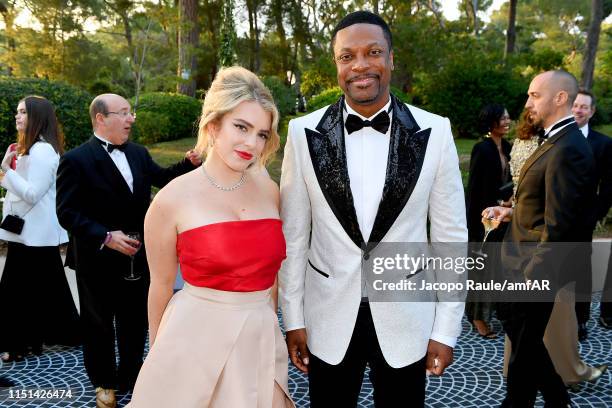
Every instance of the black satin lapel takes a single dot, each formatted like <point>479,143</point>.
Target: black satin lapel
<point>134,162</point>
<point>107,167</point>
<point>407,147</point>
<point>328,156</point>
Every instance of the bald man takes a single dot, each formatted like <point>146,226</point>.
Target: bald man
<point>103,192</point>
<point>553,204</point>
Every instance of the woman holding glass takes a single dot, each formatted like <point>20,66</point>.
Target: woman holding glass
<point>34,292</point>
<point>217,342</point>
<point>489,175</point>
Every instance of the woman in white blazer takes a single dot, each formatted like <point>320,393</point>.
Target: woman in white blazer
<point>35,299</point>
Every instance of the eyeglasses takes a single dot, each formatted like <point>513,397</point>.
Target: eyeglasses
<point>123,114</point>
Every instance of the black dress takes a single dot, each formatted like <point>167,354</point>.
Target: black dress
<point>484,189</point>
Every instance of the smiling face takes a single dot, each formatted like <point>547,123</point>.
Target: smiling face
<point>116,125</point>
<point>364,63</point>
<point>21,117</point>
<point>503,126</point>
<point>583,109</point>
<point>240,136</point>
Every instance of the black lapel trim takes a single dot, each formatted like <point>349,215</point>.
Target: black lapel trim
<point>134,159</point>
<point>407,147</point>
<point>107,167</point>
<point>328,156</point>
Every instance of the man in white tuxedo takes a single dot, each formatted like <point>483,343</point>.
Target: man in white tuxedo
<point>365,170</point>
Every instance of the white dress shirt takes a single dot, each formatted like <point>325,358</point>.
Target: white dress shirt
<point>118,157</point>
<point>366,159</point>
<point>585,130</point>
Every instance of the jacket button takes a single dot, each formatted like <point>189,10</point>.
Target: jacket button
<point>366,256</point>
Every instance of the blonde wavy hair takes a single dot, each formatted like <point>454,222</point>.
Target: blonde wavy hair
<point>231,87</point>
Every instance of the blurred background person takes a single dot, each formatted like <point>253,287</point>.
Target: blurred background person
<point>601,145</point>
<point>488,185</point>
<point>34,294</point>
<point>523,146</point>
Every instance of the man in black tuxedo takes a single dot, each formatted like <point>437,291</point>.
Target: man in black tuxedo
<point>583,110</point>
<point>103,192</point>
<point>555,195</point>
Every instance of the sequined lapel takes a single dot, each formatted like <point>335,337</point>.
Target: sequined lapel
<point>328,156</point>
<point>407,147</point>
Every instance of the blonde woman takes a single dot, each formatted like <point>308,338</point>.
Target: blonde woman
<point>217,343</point>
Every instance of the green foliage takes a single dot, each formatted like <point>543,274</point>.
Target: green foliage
<point>284,96</point>
<point>325,98</point>
<point>165,116</point>
<point>71,107</point>
<point>463,87</point>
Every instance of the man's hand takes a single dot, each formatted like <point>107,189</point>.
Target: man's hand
<point>439,356</point>
<point>499,213</point>
<point>298,352</point>
<point>193,157</point>
<point>122,243</point>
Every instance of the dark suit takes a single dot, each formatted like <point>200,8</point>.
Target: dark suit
<point>92,199</point>
<point>602,151</point>
<point>555,195</point>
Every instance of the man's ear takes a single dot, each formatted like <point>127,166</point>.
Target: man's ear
<point>561,98</point>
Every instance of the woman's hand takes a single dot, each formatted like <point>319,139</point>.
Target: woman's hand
<point>11,152</point>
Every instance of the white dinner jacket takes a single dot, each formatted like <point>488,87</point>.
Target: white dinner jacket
<point>32,185</point>
<point>320,281</point>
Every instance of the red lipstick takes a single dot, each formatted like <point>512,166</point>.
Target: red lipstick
<point>244,155</point>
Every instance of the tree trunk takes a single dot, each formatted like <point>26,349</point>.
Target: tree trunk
<point>511,33</point>
<point>588,65</point>
<point>254,57</point>
<point>277,12</point>
<point>187,43</point>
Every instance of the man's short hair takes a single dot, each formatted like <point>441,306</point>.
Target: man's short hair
<point>586,92</point>
<point>363,17</point>
<point>568,83</point>
<point>97,106</point>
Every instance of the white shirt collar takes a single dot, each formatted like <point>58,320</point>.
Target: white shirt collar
<point>549,133</point>
<point>585,130</point>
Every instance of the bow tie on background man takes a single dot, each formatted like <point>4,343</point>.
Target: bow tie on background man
<point>110,147</point>
<point>380,123</point>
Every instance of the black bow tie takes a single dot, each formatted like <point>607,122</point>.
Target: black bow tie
<point>110,147</point>
<point>543,136</point>
<point>380,123</point>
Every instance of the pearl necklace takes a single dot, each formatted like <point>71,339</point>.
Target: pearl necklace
<point>222,188</point>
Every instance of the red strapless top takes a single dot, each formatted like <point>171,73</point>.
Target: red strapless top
<point>236,256</point>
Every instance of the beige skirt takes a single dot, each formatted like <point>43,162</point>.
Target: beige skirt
<point>216,349</point>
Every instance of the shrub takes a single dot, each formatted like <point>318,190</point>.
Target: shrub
<point>327,97</point>
<point>461,89</point>
<point>285,97</point>
<point>71,106</point>
<point>165,116</point>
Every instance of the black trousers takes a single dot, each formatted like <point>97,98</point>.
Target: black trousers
<point>606,296</point>
<point>35,300</point>
<point>338,386</point>
<point>530,368</point>
<point>112,307</point>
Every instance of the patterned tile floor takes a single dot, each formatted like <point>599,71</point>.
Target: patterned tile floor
<point>475,380</point>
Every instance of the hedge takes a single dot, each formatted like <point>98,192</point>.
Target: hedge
<point>163,116</point>
<point>71,106</point>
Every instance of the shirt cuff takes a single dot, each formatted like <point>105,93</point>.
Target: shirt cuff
<point>450,341</point>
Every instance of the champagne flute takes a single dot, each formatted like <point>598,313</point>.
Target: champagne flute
<point>489,224</point>
<point>133,276</point>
